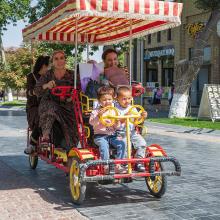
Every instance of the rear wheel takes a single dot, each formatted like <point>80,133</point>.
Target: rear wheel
<point>157,184</point>
<point>77,186</point>
<point>33,161</point>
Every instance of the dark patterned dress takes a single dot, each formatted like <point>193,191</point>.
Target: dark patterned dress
<point>57,116</point>
<point>32,107</point>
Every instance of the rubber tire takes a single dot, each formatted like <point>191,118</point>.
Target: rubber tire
<point>33,161</point>
<point>163,187</point>
<point>82,190</point>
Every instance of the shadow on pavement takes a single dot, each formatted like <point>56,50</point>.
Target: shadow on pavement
<point>53,185</point>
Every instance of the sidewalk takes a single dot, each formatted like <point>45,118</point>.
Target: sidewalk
<point>20,199</point>
<point>179,131</point>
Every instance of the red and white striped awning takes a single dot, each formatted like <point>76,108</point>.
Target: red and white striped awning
<point>102,22</point>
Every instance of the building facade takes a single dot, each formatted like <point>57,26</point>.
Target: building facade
<point>161,52</point>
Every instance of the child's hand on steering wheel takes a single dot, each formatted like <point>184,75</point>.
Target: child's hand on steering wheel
<point>144,114</point>
<point>102,111</point>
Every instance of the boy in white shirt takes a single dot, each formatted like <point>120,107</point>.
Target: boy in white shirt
<point>123,104</point>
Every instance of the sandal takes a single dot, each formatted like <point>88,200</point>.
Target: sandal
<point>44,143</point>
<point>30,149</point>
<point>120,169</point>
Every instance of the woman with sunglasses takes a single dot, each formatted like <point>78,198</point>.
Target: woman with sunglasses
<point>56,114</point>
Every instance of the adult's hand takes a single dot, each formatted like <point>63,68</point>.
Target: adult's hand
<point>51,84</point>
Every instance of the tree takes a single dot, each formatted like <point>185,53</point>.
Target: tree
<point>11,11</point>
<point>187,70</point>
<point>13,74</point>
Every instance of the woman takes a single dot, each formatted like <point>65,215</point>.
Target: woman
<point>52,110</point>
<point>40,69</point>
<point>113,74</point>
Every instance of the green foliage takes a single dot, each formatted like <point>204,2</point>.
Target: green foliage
<point>18,65</point>
<point>11,11</point>
<point>189,122</point>
<point>15,103</point>
<point>207,4</point>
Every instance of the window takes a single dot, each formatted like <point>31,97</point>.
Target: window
<point>190,53</point>
<point>149,39</point>
<point>207,54</point>
<point>169,34</point>
<point>159,37</point>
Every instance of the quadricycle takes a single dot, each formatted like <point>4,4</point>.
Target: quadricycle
<point>102,23</point>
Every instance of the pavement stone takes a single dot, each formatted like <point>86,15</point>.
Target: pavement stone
<point>21,199</point>
<point>194,195</point>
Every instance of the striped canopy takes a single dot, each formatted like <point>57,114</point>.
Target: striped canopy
<point>102,22</point>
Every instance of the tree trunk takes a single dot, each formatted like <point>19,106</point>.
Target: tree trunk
<point>2,52</point>
<point>187,70</point>
<point>10,95</point>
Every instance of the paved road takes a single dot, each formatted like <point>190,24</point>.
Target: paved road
<point>194,195</point>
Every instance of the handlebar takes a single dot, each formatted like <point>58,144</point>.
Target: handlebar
<point>62,91</point>
<point>133,116</point>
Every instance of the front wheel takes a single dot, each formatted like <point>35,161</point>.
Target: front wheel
<point>157,185</point>
<point>77,186</point>
<point>33,161</point>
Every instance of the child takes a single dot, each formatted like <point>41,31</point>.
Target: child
<point>105,136</point>
<point>124,98</point>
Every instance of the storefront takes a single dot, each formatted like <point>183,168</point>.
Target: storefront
<point>159,63</point>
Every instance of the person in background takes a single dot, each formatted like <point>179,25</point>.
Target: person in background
<point>113,74</point>
<point>171,93</point>
<point>40,69</point>
<point>157,95</point>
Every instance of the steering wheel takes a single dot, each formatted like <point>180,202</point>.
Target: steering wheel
<point>136,110</point>
<point>104,118</point>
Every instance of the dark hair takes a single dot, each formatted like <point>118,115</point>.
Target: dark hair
<point>123,88</point>
<point>106,52</point>
<point>41,60</point>
<point>157,85</point>
<point>105,90</point>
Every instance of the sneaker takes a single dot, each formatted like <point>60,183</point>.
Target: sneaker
<point>29,150</point>
<point>120,169</point>
<point>140,167</point>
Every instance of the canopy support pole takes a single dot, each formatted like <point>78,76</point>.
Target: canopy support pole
<point>130,51</point>
<point>76,47</point>
<point>87,48</point>
<point>32,56</point>
<point>142,65</point>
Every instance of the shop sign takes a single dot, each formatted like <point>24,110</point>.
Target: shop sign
<point>195,28</point>
<point>159,53</point>
<point>218,28</point>
<point>210,102</point>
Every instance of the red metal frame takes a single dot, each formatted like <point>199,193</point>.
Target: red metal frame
<point>96,170</point>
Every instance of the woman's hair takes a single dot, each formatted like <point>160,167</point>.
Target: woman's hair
<point>56,52</point>
<point>106,52</point>
<point>105,90</point>
<point>41,60</point>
